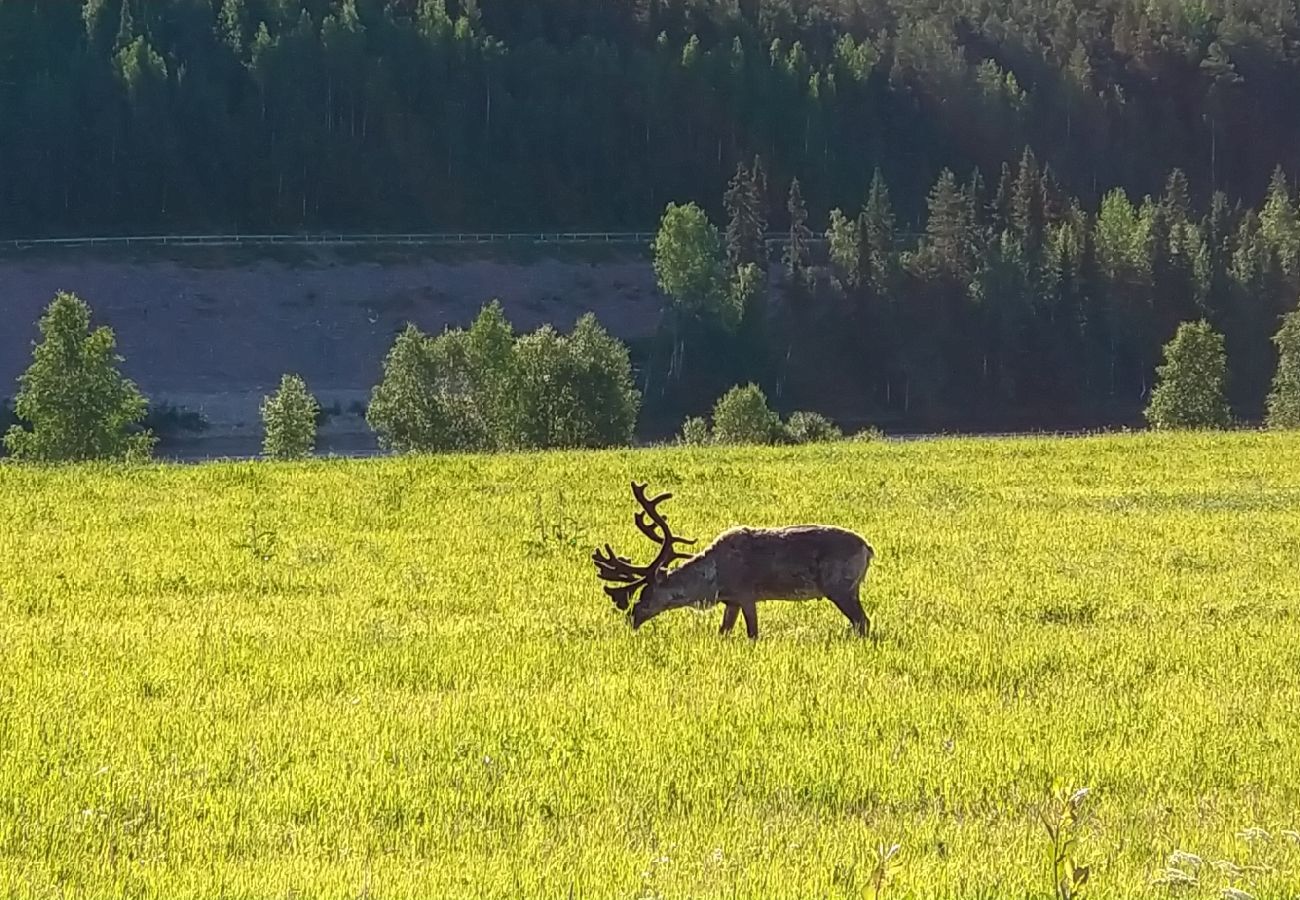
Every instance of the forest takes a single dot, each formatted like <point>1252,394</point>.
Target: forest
<point>1024,198</point>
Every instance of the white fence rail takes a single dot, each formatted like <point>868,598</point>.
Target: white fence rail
<point>439,239</point>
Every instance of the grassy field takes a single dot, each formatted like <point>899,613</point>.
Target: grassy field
<point>400,678</point>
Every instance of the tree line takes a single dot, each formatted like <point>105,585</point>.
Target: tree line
<point>488,389</point>
<point>1017,302</point>
<point>126,115</point>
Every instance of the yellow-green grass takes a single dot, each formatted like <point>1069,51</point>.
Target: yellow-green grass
<point>400,678</point>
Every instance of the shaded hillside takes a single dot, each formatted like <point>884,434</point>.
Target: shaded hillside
<point>213,332</point>
<point>122,115</point>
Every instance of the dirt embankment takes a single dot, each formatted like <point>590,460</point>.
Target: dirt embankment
<point>212,332</point>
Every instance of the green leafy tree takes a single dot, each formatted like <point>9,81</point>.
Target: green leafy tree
<point>1190,383</point>
<point>493,374</point>
<point>689,262</point>
<point>742,416</point>
<point>485,389</point>
<point>1284,399</point>
<point>606,396</point>
<point>550,414</point>
<point>77,403</point>
<point>423,402</point>
<point>289,418</point>
<point>695,432</point>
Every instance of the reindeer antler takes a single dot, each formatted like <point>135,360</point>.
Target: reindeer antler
<point>654,525</point>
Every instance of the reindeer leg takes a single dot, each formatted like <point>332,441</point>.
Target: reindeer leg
<point>849,604</point>
<point>729,618</point>
<point>751,619</point>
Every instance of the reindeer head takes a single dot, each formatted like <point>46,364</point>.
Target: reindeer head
<point>620,570</point>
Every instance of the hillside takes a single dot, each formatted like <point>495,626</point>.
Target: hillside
<point>212,330</point>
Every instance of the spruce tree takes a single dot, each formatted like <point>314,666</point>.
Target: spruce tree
<point>1189,390</point>
<point>1280,223</point>
<point>1027,214</point>
<point>747,224</point>
<point>1177,200</point>
<point>1000,207</point>
<point>797,249</point>
<point>78,404</point>
<point>1284,399</point>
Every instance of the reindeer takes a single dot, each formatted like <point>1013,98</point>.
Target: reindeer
<point>741,567</point>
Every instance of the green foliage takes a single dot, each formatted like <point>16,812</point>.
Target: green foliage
<point>811,428</point>
<point>845,238</point>
<point>289,419</point>
<point>688,259</point>
<point>1062,817</point>
<point>607,398</point>
<point>77,405</point>
<point>695,432</point>
<point>485,389</point>
<point>1189,392</point>
<point>1284,399</point>
<point>949,250</point>
<point>747,224</point>
<point>742,416</point>
<point>414,407</point>
<point>797,256</point>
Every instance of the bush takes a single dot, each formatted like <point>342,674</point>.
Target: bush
<point>289,417</point>
<point>811,428</point>
<point>742,416</point>
<point>165,420</point>
<point>1189,389</point>
<point>76,404</point>
<point>1284,399</point>
<point>485,389</point>
<point>424,404</point>
<point>695,432</point>
<point>867,435</point>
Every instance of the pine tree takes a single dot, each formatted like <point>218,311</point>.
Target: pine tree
<point>796,257</point>
<point>948,231</point>
<point>289,419</point>
<point>1189,392</point>
<point>1284,399</point>
<point>79,406</point>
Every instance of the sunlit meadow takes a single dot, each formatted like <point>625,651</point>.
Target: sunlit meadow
<point>400,678</point>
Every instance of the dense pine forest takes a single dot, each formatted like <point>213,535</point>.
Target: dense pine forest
<point>1024,198</point>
